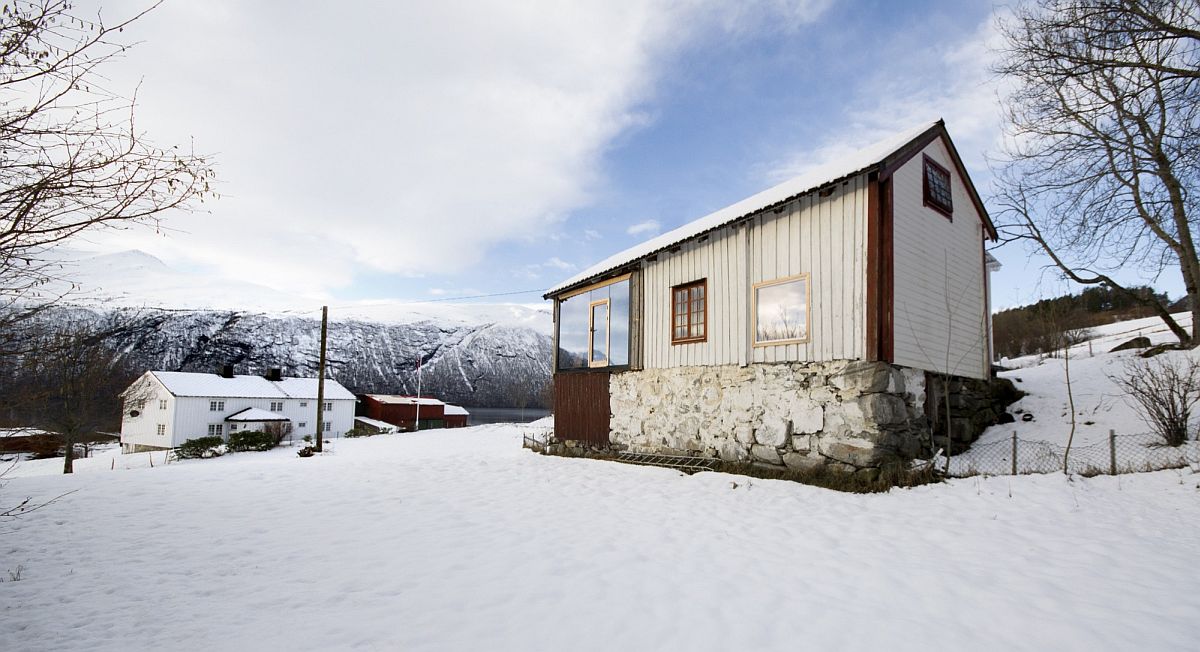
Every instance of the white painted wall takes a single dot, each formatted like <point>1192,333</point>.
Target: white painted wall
<point>193,416</point>
<point>940,299</point>
<point>822,236</point>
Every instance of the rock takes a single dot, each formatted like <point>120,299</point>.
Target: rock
<point>1142,342</point>
<point>864,378</point>
<point>800,462</point>
<point>766,454</point>
<point>731,451</point>
<point>744,434</point>
<point>802,443</point>
<point>807,416</point>
<point>773,432</point>
<point>847,453</point>
<point>883,409</point>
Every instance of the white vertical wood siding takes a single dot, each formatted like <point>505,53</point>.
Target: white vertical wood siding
<point>143,429</point>
<point>822,236</point>
<point>940,304</point>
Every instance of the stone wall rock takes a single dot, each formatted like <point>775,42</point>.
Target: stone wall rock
<point>798,415</point>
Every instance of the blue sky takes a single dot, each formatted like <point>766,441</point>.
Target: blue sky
<point>438,151</point>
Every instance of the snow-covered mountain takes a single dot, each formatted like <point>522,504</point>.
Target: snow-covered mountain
<point>159,318</point>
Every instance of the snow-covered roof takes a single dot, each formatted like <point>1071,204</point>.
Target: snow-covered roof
<point>188,383</point>
<point>455,410</point>
<point>392,399</point>
<point>376,423</point>
<point>835,170</point>
<point>256,414</point>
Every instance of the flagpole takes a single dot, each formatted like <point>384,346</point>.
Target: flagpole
<point>418,424</point>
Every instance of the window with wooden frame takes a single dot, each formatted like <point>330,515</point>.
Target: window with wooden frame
<point>689,312</point>
<point>593,325</point>
<point>936,189</point>
<point>780,311</point>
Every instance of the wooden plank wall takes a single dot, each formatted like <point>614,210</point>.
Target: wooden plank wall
<point>823,236</point>
<point>940,321</point>
<point>581,406</point>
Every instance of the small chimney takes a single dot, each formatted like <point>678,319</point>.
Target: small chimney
<point>226,371</point>
<point>274,374</point>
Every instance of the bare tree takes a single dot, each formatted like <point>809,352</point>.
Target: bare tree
<point>1104,139</point>
<point>70,383</point>
<point>72,157</point>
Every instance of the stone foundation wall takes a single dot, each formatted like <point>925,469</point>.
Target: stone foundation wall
<point>799,415</point>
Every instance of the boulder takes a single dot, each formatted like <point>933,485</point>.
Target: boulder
<point>1142,342</point>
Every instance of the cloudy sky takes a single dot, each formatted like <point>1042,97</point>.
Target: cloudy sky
<point>445,149</point>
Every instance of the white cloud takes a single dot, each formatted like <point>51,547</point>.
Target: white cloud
<point>649,227</point>
<point>951,81</point>
<point>558,263</point>
<point>396,138</point>
<point>591,234</point>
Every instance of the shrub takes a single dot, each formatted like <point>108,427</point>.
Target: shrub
<point>1165,390</point>
<point>359,432</point>
<point>201,447</point>
<point>252,440</point>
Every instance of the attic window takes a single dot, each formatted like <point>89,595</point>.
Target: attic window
<point>937,188</point>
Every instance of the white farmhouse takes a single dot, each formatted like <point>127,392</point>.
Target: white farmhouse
<point>163,409</point>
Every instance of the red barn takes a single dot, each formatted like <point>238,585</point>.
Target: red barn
<point>456,417</point>
<point>403,411</point>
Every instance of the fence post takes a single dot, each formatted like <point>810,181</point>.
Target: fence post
<point>1014,453</point>
<point>1112,451</point>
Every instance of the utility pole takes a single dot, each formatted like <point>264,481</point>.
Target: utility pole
<point>321,380</point>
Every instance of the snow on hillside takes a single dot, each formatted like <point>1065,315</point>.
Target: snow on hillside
<point>1099,403</point>
<point>135,279</point>
<point>461,540</point>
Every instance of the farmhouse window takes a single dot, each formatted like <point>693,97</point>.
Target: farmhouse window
<point>328,406</point>
<point>161,429</point>
<point>216,406</point>
<point>302,424</point>
<point>689,312</point>
<point>593,326</point>
<point>328,426</point>
<point>936,189</point>
<point>303,403</point>
<point>780,311</point>
<point>233,427</point>
<point>276,406</point>
<point>215,429</point>
<point>162,403</point>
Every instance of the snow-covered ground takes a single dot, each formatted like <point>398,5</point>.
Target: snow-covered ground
<point>1100,405</point>
<point>461,540</point>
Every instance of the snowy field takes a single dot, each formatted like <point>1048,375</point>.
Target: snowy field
<point>461,540</point>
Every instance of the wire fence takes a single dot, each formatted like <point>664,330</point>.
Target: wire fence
<point>1133,453</point>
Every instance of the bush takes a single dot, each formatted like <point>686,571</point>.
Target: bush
<point>201,447</point>
<point>252,440</point>
<point>1165,390</point>
<point>359,432</point>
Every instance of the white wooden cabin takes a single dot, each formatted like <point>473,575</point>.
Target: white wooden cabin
<point>163,409</point>
<point>879,257</point>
